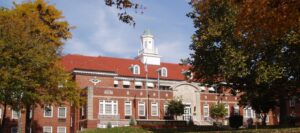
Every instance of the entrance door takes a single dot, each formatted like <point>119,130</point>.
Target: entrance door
<point>187,113</point>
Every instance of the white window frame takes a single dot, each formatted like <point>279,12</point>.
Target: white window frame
<point>141,106</point>
<point>13,113</point>
<point>0,113</point>
<point>63,128</point>
<point>246,112</point>
<point>154,112</point>
<point>128,103</point>
<point>164,72</point>
<point>136,69</point>
<point>206,106</point>
<point>114,107</point>
<point>58,112</point>
<point>82,111</point>
<point>44,128</point>
<point>51,111</point>
<point>166,109</point>
<point>228,110</point>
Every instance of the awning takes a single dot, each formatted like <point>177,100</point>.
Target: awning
<point>211,89</point>
<point>150,85</point>
<point>202,88</point>
<point>138,83</point>
<point>126,83</point>
<point>116,82</point>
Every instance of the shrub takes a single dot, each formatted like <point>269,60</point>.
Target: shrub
<point>109,125</point>
<point>132,122</point>
<point>236,121</point>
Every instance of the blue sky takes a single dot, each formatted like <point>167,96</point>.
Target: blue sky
<point>99,32</point>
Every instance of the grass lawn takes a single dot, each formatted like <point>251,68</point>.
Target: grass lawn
<point>189,130</point>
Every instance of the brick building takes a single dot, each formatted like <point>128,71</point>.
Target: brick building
<point>118,89</point>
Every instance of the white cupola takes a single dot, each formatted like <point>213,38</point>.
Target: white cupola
<point>148,53</point>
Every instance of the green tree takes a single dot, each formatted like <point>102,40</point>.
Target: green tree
<point>175,108</point>
<point>258,67</point>
<point>218,111</point>
<point>31,39</point>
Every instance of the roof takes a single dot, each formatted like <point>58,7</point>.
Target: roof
<point>147,32</point>
<point>120,66</point>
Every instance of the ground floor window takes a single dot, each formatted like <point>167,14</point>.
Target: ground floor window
<point>141,108</point>
<point>128,108</point>
<point>62,112</point>
<point>154,109</point>
<point>108,107</point>
<point>206,110</point>
<point>166,109</point>
<point>228,110</point>
<point>61,130</point>
<point>249,113</point>
<point>47,129</point>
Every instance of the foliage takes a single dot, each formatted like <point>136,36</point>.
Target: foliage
<point>235,121</point>
<point>124,5</point>
<point>132,122</point>
<point>109,125</point>
<point>175,107</point>
<point>218,110</point>
<point>31,40</point>
<point>257,66</point>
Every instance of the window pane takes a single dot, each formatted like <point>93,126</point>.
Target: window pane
<point>141,108</point>
<point>48,111</point>
<point>61,129</point>
<point>62,112</point>
<point>47,129</point>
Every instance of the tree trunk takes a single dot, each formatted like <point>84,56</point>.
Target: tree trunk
<point>263,120</point>
<point>283,112</point>
<point>28,119</point>
<point>3,122</point>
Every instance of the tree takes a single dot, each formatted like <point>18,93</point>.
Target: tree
<point>175,108</point>
<point>265,66</point>
<point>218,111</point>
<point>124,5</point>
<point>31,39</point>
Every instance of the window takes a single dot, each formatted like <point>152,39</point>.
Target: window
<point>108,107</point>
<point>166,109</point>
<point>248,112</point>
<point>228,110</point>
<point>0,113</point>
<point>47,129</point>
<point>154,109</point>
<point>236,109</point>
<point>116,83</point>
<point>48,111</point>
<point>164,72</point>
<point>14,130</point>
<point>128,108</point>
<point>61,130</point>
<point>206,110</point>
<point>141,108</point>
<point>15,114</point>
<point>138,84</point>
<point>136,69</point>
<point>62,112</point>
<point>82,111</point>
<point>126,84</point>
<point>292,102</point>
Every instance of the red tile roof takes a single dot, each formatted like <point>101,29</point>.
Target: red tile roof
<point>120,66</point>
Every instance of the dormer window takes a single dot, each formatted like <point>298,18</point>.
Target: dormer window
<point>136,69</point>
<point>164,72</point>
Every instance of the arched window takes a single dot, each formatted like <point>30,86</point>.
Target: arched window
<point>136,69</point>
<point>164,72</point>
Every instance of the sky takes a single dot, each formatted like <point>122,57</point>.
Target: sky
<point>98,31</point>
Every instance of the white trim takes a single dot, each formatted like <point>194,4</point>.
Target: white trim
<point>164,72</point>
<point>202,88</point>
<point>206,106</point>
<point>130,108</point>
<point>138,83</point>
<point>150,85</point>
<point>126,83</point>
<point>116,82</point>
<point>211,89</point>
<point>153,104</point>
<point>143,108</point>
<point>62,128</point>
<point>136,69</point>
<point>58,109</point>
<point>44,128</point>
<point>112,103</point>
<point>94,73</point>
<point>0,113</point>
<point>51,111</point>
<point>13,112</point>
